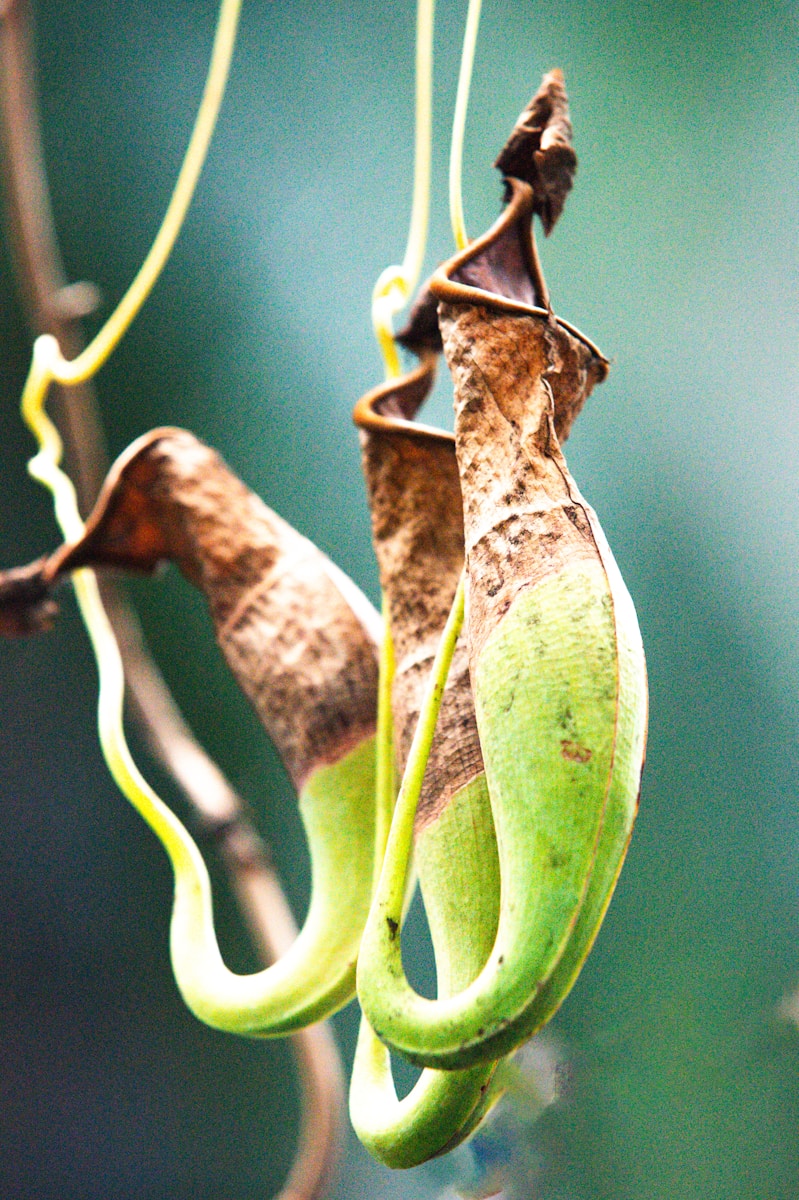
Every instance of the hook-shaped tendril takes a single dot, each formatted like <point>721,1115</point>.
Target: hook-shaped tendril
<point>104,343</point>
<point>443,1107</point>
<point>48,365</point>
<point>278,999</point>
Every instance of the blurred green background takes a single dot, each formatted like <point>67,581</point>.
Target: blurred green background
<point>678,255</point>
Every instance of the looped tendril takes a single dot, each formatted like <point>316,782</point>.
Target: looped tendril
<point>104,343</point>
<point>48,365</point>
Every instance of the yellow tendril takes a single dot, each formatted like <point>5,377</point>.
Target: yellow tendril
<point>48,365</point>
<point>459,126</point>
<point>92,358</point>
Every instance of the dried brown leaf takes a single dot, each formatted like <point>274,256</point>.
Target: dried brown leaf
<point>539,150</point>
<point>301,652</point>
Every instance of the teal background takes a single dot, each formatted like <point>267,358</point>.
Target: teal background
<point>678,255</point>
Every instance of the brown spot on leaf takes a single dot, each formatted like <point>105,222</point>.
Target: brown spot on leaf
<point>574,752</point>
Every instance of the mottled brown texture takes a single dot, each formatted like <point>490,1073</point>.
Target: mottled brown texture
<point>539,150</point>
<point>500,273</point>
<point>298,650</point>
<point>417,526</point>
<point>523,517</point>
<point>521,376</point>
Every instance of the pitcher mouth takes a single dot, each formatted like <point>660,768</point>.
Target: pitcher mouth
<point>501,270</point>
<point>390,407</point>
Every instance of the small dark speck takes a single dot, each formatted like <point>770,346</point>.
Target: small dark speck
<point>500,960</point>
<point>480,1031</point>
<point>392,927</point>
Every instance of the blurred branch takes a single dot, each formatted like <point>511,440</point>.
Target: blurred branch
<point>56,308</point>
